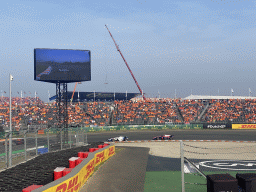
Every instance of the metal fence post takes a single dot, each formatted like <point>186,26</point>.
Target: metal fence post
<point>86,136</point>
<point>25,145</point>
<point>36,143</point>
<point>60,139</point>
<point>182,166</point>
<point>83,135</point>
<point>48,140</point>
<point>70,139</point>
<point>76,137</point>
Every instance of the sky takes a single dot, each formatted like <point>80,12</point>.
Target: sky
<point>194,47</point>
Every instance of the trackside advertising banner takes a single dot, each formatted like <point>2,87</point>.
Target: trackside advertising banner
<point>243,126</point>
<point>216,126</point>
<point>131,128</point>
<point>74,183</point>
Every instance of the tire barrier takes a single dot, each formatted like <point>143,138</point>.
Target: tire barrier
<point>58,172</point>
<point>72,162</point>
<point>31,187</point>
<point>39,170</point>
<point>80,154</point>
<point>79,160</point>
<point>77,176</point>
<point>67,171</point>
<point>85,154</point>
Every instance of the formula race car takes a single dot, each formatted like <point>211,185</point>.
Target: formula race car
<point>164,137</point>
<point>18,141</point>
<point>119,138</point>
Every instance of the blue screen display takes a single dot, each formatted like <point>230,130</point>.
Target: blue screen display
<point>62,65</point>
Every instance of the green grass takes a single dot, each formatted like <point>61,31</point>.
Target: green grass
<point>14,152</point>
<point>161,181</point>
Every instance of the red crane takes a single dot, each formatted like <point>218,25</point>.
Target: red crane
<point>126,64</point>
<point>74,92</point>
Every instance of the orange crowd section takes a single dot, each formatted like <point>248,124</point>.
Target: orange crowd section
<point>33,111</point>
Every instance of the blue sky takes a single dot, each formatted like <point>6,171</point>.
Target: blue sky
<point>191,46</point>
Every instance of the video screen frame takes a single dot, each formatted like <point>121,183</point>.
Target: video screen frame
<point>52,60</point>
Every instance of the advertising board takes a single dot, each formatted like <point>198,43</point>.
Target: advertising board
<point>216,126</point>
<point>73,184</point>
<point>62,65</point>
<point>243,126</point>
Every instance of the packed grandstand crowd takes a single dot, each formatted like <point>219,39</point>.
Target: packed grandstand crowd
<point>33,111</point>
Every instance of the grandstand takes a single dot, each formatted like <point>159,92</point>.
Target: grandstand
<point>30,112</point>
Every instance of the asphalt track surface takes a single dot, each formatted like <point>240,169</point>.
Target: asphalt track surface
<point>125,171</point>
<point>236,135</point>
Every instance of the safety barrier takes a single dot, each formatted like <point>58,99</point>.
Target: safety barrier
<point>128,127</point>
<point>144,127</point>
<point>243,126</point>
<point>217,126</point>
<point>74,180</point>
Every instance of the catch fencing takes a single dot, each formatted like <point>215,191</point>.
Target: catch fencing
<point>27,145</point>
<point>30,143</point>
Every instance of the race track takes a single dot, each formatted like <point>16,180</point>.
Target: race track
<point>235,135</point>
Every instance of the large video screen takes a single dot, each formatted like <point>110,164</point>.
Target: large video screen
<point>62,65</point>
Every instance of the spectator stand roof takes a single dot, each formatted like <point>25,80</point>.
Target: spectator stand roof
<point>206,97</point>
<point>99,96</point>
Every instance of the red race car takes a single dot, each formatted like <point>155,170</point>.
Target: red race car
<point>164,137</point>
<point>18,141</point>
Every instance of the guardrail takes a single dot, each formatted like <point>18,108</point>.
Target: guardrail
<point>129,127</point>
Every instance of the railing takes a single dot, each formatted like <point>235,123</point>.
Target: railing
<point>26,145</point>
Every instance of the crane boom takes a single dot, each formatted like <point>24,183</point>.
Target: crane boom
<point>73,94</point>
<point>126,64</point>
